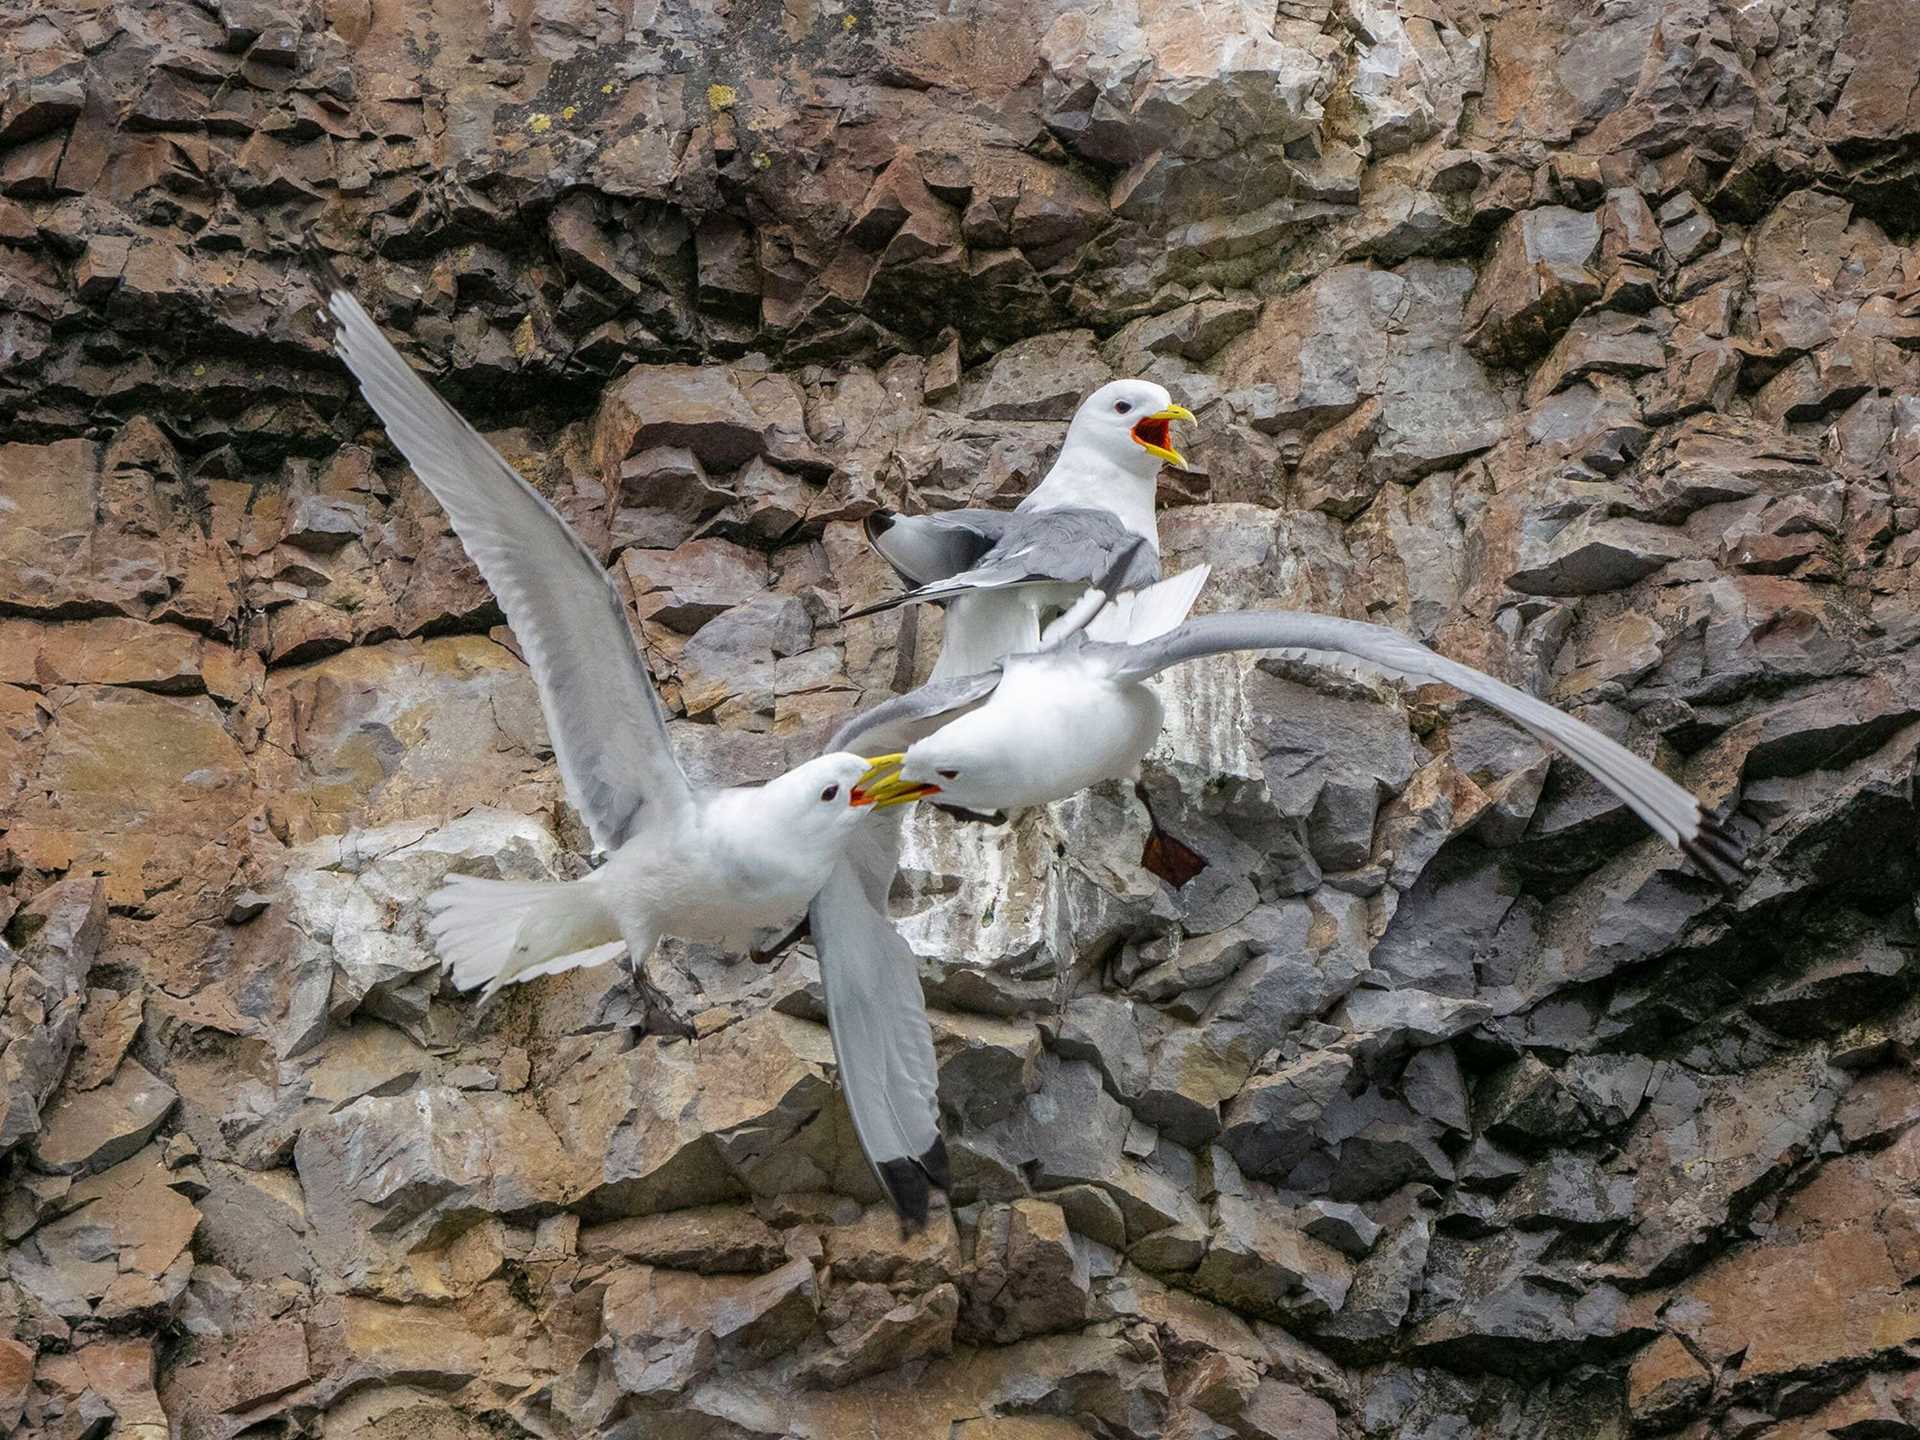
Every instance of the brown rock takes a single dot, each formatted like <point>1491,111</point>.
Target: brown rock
<point>665,1327</point>
<point>725,417</point>
<point>140,779</point>
<point>913,1330</point>
<point>872,1248</point>
<point>1030,1274</point>
<point>399,1344</point>
<point>1877,104</point>
<point>88,1130</point>
<point>1277,1411</point>
<point>1536,283</point>
<point>709,1239</point>
<point>118,1252</point>
<point>1259,1262</point>
<point>1666,1385</point>
<point>266,1363</point>
<point>685,588</point>
<point>16,1380</point>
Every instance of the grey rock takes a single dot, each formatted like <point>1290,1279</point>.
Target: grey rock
<point>43,982</point>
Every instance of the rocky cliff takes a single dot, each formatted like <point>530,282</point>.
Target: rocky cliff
<point>1579,340</point>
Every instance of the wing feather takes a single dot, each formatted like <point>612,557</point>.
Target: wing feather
<point>609,732</point>
<point>1668,808</point>
<point>877,1017</point>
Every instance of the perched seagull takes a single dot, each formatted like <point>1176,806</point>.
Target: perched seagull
<point>999,573</point>
<point>1039,727</point>
<point>701,864</point>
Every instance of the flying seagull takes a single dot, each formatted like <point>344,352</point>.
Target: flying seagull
<point>701,864</point>
<point>1041,726</point>
<point>999,573</point>
<point>1038,727</point>
<point>875,1008</point>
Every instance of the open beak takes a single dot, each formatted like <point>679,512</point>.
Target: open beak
<point>882,786</point>
<point>1151,433</point>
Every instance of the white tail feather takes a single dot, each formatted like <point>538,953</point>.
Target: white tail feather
<point>497,932</point>
<point>985,627</point>
<point>1151,611</point>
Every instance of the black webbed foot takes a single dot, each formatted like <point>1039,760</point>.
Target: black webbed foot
<point>802,931</point>
<point>999,817</point>
<point>657,1015</point>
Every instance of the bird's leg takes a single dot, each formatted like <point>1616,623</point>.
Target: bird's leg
<point>786,942</point>
<point>657,1015</point>
<point>999,817</point>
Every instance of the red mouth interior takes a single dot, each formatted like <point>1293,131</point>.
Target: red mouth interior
<point>1152,432</point>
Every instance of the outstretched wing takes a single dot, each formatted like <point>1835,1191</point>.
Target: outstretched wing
<point>608,731</point>
<point>877,1016</point>
<point>1039,547</point>
<point>1670,810</point>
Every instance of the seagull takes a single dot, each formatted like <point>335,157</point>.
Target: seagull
<point>999,573</point>
<point>704,864</point>
<point>1039,727</point>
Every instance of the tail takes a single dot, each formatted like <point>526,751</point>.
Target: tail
<point>499,932</point>
<point>986,627</point>
<point>1150,612</point>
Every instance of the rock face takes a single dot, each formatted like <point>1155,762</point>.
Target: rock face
<point>1580,341</point>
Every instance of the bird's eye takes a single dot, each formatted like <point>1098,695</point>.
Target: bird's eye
<point>829,792</point>
<point>948,774</point>
<point>1121,407</point>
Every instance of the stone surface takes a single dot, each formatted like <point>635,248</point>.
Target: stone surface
<point>1581,342</point>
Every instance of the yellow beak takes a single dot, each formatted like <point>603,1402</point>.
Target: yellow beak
<point>1150,433</point>
<point>882,786</point>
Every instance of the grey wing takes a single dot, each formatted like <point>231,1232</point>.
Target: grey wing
<point>1044,547</point>
<point>609,734</point>
<point>925,548</point>
<point>877,1015</point>
<point>895,724</point>
<point>1669,809</point>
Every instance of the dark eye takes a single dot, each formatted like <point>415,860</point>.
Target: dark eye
<point>1121,407</point>
<point>948,774</point>
<point>829,792</point>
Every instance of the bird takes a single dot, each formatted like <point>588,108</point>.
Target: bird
<point>876,1010</point>
<point>1000,573</point>
<point>1040,726</point>
<point>700,863</point>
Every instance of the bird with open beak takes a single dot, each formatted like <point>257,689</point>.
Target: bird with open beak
<point>1003,574</point>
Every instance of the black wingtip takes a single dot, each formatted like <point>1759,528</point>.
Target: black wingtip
<point>326,275</point>
<point>939,1169</point>
<point>1718,855</point>
<point>877,608</point>
<point>910,1184</point>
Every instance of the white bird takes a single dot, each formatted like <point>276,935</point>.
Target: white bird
<point>1039,727</point>
<point>1000,573</point>
<point>700,864</point>
<point>871,976</point>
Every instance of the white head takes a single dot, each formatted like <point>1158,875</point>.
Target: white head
<point>1126,423</point>
<point>964,762</point>
<point>820,803</point>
